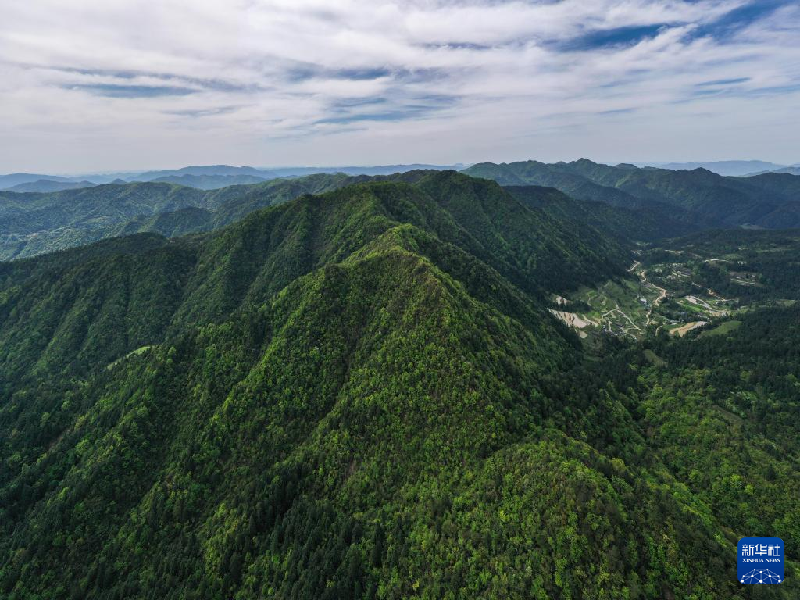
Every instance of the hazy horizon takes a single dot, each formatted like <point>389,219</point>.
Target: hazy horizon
<point>457,165</point>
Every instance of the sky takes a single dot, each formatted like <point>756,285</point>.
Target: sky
<point>128,84</point>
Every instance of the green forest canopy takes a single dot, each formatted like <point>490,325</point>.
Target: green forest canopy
<point>361,394</point>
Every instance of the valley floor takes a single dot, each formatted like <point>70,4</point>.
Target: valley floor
<point>670,290</point>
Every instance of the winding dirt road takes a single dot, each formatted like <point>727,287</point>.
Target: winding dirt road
<point>642,273</point>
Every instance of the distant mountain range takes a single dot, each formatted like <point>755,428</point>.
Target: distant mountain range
<point>201,177</point>
<point>213,177</point>
<point>795,170</point>
<point>49,185</point>
<point>698,198</point>
<point>734,168</point>
<point>15,179</point>
<point>209,182</point>
<point>623,201</point>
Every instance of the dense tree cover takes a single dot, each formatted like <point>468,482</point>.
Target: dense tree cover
<point>699,197</point>
<point>362,395</point>
<point>624,225</point>
<point>723,414</point>
<point>543,174</point>
<point>32,224</point>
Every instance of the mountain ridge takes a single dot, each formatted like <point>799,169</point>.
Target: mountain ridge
<point>354,394</point>
<point>699,197</point>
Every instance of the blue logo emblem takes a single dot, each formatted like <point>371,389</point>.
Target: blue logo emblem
<point>760,560</point>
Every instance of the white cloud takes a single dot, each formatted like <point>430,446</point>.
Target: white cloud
<point>126,84</point>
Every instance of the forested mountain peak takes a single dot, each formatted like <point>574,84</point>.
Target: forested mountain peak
<point>361,370</point>
<point>354,393</point>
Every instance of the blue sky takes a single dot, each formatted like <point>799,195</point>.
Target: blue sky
<point>124,84</point>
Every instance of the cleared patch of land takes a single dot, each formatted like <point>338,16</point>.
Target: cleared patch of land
<point>684,329</point>
<point>723,329</point>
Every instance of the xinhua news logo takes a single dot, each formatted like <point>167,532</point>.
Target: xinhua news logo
<point>760,560</point>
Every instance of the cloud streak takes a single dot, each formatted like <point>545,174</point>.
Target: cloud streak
<point>115,90</point>
<point>124,84</point>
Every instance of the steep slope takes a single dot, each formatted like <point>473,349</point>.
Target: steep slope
<point>28,213</point>
<point>328,358</point>
<point>530,242</point>
<point>169,224</point>
<point>232,204</point>
<point>622,224</point>
<point>536,173</point>
<point>699,197</point>
<point>359,394</point>
<point>214,275</point>
<point>521,245</point>
<point>727,200</point>
<point>784,186</point>
<point>32,224</point>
